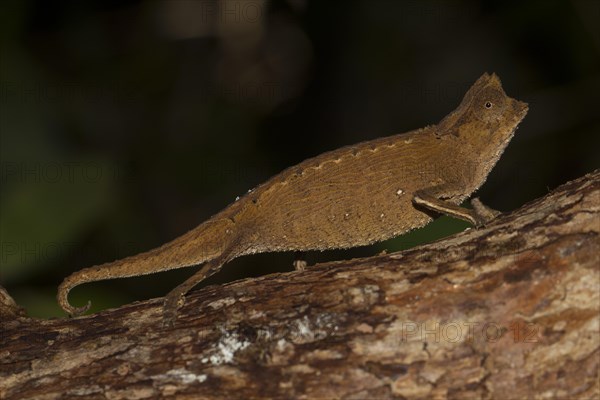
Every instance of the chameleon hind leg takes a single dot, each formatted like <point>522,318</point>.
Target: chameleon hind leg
<point>176,297</point>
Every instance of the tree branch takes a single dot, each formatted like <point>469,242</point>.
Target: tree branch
<point>510,310</point>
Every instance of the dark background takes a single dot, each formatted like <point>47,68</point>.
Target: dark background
<point>124,124</point>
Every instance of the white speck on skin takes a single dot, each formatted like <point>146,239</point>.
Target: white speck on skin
<point>399,192</point>
<point>382,216</point>
<point>408,141</point>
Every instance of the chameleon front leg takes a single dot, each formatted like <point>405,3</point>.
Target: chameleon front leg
<point>483,210</point>
<point>430,198</point>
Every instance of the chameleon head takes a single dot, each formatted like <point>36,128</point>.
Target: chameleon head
<point>484,123</point>
<point>489,117</point>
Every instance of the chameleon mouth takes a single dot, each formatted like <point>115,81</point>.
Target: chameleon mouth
<point>520,109</point>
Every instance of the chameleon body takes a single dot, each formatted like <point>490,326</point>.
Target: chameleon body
<point>352,196</point>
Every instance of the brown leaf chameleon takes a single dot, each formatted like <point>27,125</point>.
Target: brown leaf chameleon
<point>349,197</point>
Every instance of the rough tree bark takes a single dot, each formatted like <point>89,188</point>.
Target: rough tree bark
<point>509,311</point>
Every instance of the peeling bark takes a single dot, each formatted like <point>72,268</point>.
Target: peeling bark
<point>508,311</point>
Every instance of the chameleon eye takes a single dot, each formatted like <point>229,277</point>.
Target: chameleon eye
<point>488,104</point>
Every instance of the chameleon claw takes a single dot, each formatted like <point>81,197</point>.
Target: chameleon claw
<point>483,213</point>
<point>171,305</point>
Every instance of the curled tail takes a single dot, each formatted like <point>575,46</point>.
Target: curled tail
<point>199,245</point>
